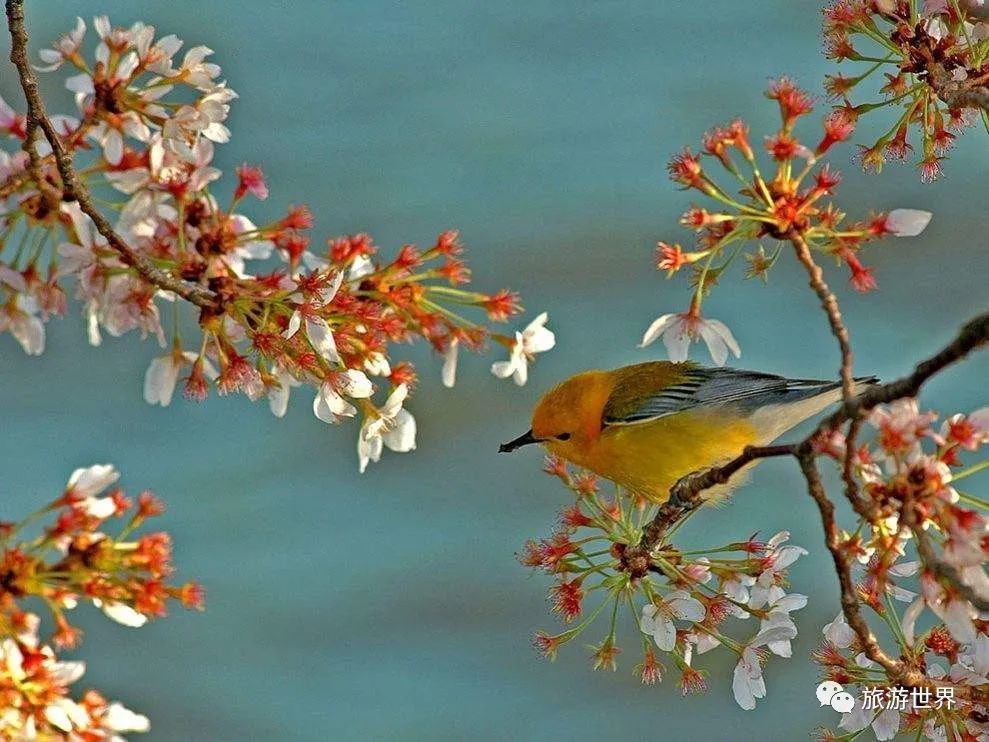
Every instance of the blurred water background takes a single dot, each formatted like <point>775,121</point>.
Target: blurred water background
<point>390,605</point>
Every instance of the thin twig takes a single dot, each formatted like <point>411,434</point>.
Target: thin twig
<point>956,94</point>
<point>849,597</point>
<point>830,306</point>
<point>978,11</point>
<point>73,188</point>
<point>972,336</point>
<point>685,496</point>
<point>863,506</point>
<point>948,571</point>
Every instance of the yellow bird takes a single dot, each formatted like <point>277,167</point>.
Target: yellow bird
<point>645,426</point>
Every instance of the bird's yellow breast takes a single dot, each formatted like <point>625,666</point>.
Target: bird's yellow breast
<point>648,458</point>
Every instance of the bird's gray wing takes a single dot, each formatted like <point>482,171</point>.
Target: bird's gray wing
<point>701,386</point>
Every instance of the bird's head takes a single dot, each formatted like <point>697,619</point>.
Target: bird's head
<point>567,418</point>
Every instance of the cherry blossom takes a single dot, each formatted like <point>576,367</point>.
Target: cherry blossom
<point>885,723</point>
<point>330,404</point>
<point>389,425</point>
<point>66,47</point>
<point>680,330</point>
<point>121,613</point>
<point>839,633</point>
<point>779,615</point>
<point>279,387</point>
<point>748,683</point>
<point>282,312</point>
<point>20,318</point>
<point>163,374</point>
<point>74,560</point>
<point>907,222</point>
<point>89,481</point>
<point>535,338</point>
<point>449,371</point>
<point>657,619</point>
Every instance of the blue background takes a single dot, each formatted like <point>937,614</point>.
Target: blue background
<point>390,605</point>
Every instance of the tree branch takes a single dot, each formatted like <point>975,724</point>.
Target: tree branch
<point>849,597</point>
<point>685,495</point>
<point>964,94</point>
<point>73,188</point>
<point>830,305</point>
<point>947,571</point>
<point>972,336</point>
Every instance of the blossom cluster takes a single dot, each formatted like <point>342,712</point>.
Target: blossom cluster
<point>908,481</point>
<point>684,605</point>
<point>71,560</point>
<point>282,314</point>
<point>791,205</point>
<point>932,56</point>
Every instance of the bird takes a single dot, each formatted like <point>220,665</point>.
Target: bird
<point>647,425</point>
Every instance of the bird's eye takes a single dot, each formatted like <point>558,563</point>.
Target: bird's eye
<point>563,437</point>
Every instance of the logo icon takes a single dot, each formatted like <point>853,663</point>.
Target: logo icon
<point>830,693</point>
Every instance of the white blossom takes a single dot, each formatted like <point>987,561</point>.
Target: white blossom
<point>778,557</point>
<point>376,364</point>
<point>121,719</point>
<point>657,620</point>
<point>972,665</point>
<point>838,632</point>
<point>907,222</point>
<point>67,45</point>
<point>121,613</point>
<point>779,615</point>
<point>163,374</point>
<point>20,318</point>
<point>97,507</point>
<point>330,405</point>
<point>680,330</point>
<point>278,392</point>
<point>535,338</point>
<point>317,329</point>
<point>91,480</point>
<point>391,426</point>
<point>747,681</point>
<point>449,372</point>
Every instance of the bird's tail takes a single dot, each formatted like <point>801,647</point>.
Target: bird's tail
<point>773,420</point>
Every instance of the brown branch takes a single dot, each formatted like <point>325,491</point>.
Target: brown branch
<point>977,11</point>
<point>976,97</point>
<point>849,597</point>
<point>947,571</point>
<point>685,496</point>
<point>862,505</point>
<point>830,305</point>
<point>73,188</point>
<point>972,336</point>
<point>955,94</point>
<point>14,183</point>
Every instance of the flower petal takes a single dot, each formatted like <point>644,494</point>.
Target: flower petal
<point>657,328</point>
<point>664,633</point>
<point>449,372</point>
<point>908,222</point>
<point>402,435</point>
<point>124,615</point>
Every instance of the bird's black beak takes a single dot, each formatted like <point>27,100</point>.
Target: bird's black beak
<point>523,440</point>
